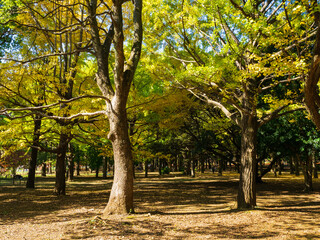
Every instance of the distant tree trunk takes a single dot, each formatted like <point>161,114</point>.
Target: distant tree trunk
<point>71,169</point>
<point>13,174</point>
<point>280,166</point>
<point>297,164</point>
<point>307,171</point>
<point>315,167</point>
<point>261,167</point>
<point>291,159</point>
<point>220,167</point>
<point>152,166</point>
<point>268,169</point>
<point>34,152</point>
<point>78,167</point>
<point>160,166</point>
<point>193,166</point>
<point>105,167</point>
<point>202,164</point>
<point>247,184</point>
<point>97,171</point>
<point>175,165</point>
<point>146,169</point>
<point>44,170</point>
<point>60,185</point>
<point>50,168</point>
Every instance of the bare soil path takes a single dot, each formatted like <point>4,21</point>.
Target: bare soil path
<point>170,207</point>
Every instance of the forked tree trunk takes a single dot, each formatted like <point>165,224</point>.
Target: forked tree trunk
<point>247,185</point>
<point>34,153</point>
<point>116,93</point>
<point>60,185</point>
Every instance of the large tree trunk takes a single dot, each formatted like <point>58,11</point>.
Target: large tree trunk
<point>60,185</point>
<point>116,93</point>
<point>311,90</point>
<point>247,184</point>
<point>121,196</point>
<point>34,153</point>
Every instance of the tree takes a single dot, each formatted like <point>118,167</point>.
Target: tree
<point>103,22</point>
<point>312,98</point>
<point>226,53</point>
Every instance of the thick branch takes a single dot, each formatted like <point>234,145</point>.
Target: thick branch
<point>276,114</point>
<point>37,108</point>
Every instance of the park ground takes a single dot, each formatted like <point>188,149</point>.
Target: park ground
<point>169,207</point>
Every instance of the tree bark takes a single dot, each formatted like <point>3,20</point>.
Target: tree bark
<point>315,167</point>
<point>268,169</point>
<point>202,164</point>
<point>34,153</point>
<point>146,169</point>
<point>193,166</point>
<point>312,99</point>
<point>307,171</point>
<point>297,164</point>
<point>97,171</point>
<point>71,169</point>
<point>220,167</point>
<point>44,170</point>
<point>105,167</point>
<point>78,168</point>
<point>60,185</point>
<point>247,185</point>
<point>116,93</point>
<point>121,196</point>
<point>291,159</point>
<point>160,166</point>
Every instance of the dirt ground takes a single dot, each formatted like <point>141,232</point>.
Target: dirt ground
<point>170,207</point>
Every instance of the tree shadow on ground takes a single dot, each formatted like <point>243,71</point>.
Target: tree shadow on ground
<point>18,203</point>
<point>159,201</point>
